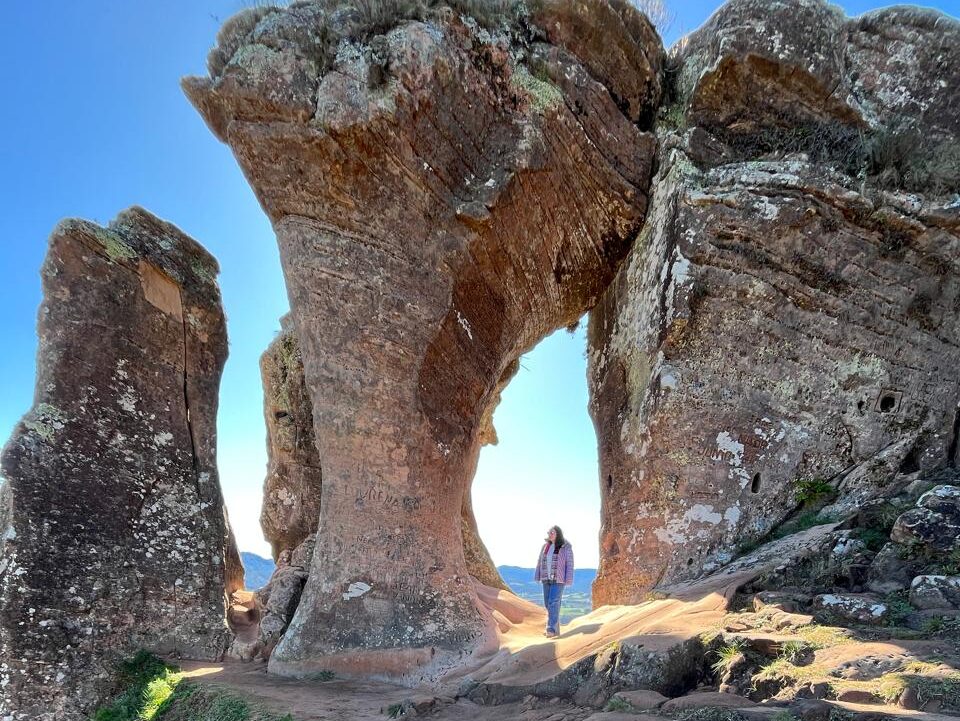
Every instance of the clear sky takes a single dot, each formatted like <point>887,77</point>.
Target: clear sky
<point>94,121</point>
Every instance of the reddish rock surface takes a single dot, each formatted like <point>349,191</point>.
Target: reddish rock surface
<point>291,491</point>
<point>114,531</point>
<point>467,200</point>
<point>788,313</point>
<point>445,193</point>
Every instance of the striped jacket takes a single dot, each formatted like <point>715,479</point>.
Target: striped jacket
<point>562,565</point>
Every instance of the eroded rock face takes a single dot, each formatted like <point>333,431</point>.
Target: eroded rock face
<point>469,191</point>
<point>778,320</point>
<point>291,491</point>
<point>114,531</point>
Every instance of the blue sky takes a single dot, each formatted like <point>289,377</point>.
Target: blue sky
<point>94,121</point>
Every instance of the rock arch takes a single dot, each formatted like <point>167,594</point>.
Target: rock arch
<point>470,186</point>
<point>468,191</point>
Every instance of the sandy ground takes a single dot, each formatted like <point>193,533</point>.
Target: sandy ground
<point>516,653</point>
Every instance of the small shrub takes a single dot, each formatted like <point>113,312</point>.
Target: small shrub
<point>710,713</point>
<point>618,704</point>
<point>898,608</point>
<point>783,716</point>
<point>874,539</point>
<point>812,490</point>
<point>147,685</point>
<point>395,710</point>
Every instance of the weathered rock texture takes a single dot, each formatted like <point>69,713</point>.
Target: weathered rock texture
<point>114,534</point>
<point>291,491</point>
<point>291,494</point>
<point>788,314</point>
<point>468,191</point>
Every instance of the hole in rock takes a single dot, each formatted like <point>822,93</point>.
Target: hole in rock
<point>755,486</point>
<point>911,462</point>
<point>542,471</point>
<point>609,482</point>
<point>279,415</point>
<point>888,401</point>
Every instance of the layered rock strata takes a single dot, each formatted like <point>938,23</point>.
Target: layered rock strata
<point>470,190</point>
<point>114,534</point>
<point>787,322</point>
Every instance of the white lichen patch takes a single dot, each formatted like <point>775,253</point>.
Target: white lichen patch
<point>356,590</point>
<point>45,420</point>
<point>465,324</point>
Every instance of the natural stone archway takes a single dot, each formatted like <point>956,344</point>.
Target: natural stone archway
<point>443,197</point>
<point>113,533</point>
<point>788,312</point>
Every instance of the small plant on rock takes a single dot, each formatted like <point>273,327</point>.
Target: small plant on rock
<point>898,608</point>
<point>812,490</point>
<point>618,704</point>
<point>796,651</point>
<point>726,655</point>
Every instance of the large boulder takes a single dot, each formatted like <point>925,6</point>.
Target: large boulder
<point>470,190</point>
<point>934,525</point>
<point>114,533</point>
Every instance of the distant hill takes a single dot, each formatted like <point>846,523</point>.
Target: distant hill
<point>576,598</point>
<point>257,570</point>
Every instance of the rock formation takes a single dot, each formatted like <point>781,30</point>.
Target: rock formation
<point>114,534</point>
<point>469,190</point>
<point>291,491</point>
<point>291,495</point>
<point>785,323</point>
<point>787,319</point>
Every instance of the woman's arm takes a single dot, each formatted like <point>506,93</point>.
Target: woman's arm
<point>568,571</point>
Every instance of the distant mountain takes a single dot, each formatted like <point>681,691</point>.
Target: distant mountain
<point>576,598</point>
<point>257,570</point>
<point>521,580</point>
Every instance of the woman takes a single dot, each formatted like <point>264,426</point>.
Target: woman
<point>554,571</point>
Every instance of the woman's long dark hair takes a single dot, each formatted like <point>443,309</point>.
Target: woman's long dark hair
<point>560,540</point>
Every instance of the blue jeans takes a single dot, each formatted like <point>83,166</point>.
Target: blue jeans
<point>552,593</point>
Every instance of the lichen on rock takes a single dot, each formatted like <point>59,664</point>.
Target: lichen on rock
<point>114,536</point>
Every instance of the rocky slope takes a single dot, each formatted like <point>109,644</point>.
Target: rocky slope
<point>114,534</point>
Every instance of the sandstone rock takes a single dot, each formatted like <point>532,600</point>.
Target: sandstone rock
<point>291,491</point>
<point>641,700</point>
<point>783,316</point>
<point>413,191</point>
<point>851,607</point>
<point>935,592</point>
<point>115,536</point>
<point>800,77</point>
<point>789,603</point>
<point>706,699</point>
<point>717,379</point>
<point>890,570</point>
<point>278,600</point>
<point>934,525</point>
<point>291,494</point>
<point>757,63</point>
